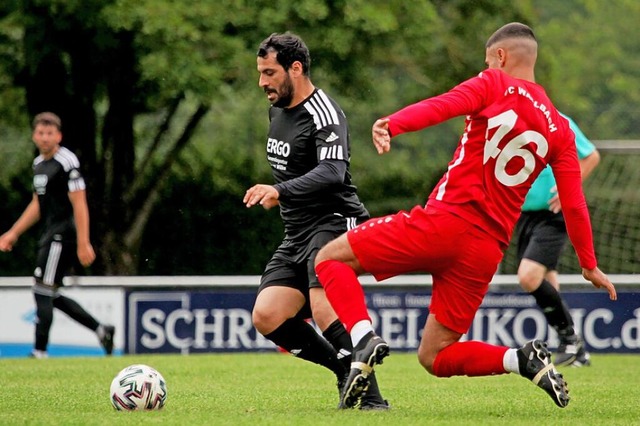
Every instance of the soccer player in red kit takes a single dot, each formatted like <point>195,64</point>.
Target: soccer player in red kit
<point>512,131</point>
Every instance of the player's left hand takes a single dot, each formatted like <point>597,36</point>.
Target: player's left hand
<point>554,202</point>
<point>600,280</point>
<point>86,254</point>
<point>265,195</point>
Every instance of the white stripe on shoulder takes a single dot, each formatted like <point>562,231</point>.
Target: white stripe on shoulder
<point>314,114</point>
<point>76,185</point>
<point>39,159</point>
<point>322,110</point>
<point>67,158</point>
<point>329,106</point>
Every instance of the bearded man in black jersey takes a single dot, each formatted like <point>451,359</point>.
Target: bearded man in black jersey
<point>308,150</point>
<point>59,199</point>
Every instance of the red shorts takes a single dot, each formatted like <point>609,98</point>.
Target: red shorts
<point>460,257</point>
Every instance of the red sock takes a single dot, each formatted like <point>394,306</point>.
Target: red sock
<point>344,292</point>
<point>470,359</point>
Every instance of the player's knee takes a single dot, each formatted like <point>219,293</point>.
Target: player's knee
<point>267,319</point>
<point>529,282</point>
<point>262,321</point>
<point>426,362</point>
<point>530,274</point>
<point>426,359</point>
<point>322,255</point>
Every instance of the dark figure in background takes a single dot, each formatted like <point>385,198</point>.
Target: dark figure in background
<point>59,199</point>
<point>542,236</point>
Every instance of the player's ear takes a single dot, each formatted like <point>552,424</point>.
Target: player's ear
<point>296,68</point>
<point>502,56</point>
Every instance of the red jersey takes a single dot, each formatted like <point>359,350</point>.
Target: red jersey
<point>512,131</point>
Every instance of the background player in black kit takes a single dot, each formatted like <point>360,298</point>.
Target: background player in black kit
<point>59,199</point>
<point>308,150</point>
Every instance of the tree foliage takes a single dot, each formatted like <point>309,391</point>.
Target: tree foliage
<point>594,63</point>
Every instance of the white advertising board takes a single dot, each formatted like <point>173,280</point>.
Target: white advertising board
<point>67,337</point>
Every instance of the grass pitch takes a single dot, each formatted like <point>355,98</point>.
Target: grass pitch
<point>277,389</point>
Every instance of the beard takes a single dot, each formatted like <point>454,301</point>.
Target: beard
<point>285,94</point>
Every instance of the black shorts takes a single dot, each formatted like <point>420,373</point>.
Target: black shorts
<point>55,259</point>
<point>293,265</point>
<point>542,236</point>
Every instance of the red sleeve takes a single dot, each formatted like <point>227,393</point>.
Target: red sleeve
<point>466,98</point>
<point>566,170</point>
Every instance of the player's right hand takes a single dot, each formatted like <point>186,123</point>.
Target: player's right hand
<point>7,241</point>
<point>381,136</point>
<point>600,280</point>
<point>265,195</point>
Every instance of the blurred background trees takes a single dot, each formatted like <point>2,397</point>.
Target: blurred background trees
<point>159,99</point>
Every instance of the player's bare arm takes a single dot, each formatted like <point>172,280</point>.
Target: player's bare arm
<point>265,195</point>
<point>381,136</point>
<point>86,254</point>
<point>600,280</point>
<point>27,219</point>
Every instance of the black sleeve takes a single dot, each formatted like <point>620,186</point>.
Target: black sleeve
<point>326,173</point>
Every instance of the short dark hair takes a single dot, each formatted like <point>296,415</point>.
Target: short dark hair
<point>48,119</point>
<point>511,30</point>
<point>289,48</point>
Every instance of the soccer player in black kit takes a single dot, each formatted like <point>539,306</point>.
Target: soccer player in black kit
<point>59,199</point>
<point>308,150</point>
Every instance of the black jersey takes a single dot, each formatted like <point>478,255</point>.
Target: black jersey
<point>53,179</point>
<point>301,138</point>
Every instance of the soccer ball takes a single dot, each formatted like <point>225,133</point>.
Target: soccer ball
<point>138,387</point>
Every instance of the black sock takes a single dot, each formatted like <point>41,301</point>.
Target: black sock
<point>44,319</point>
<point>301,339</point>
<point>337,335</point>
<point>554,308</point>
<point>76,312</point>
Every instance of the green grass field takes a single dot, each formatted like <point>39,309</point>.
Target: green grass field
<point>277,389</point>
